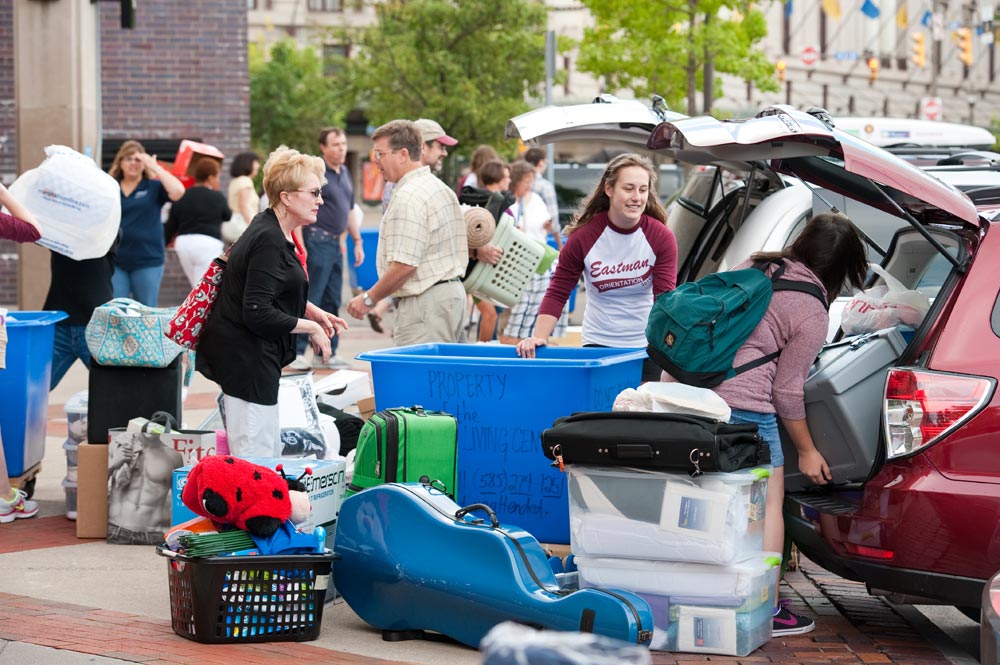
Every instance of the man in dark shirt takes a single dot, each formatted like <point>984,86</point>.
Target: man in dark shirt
<point>77,288</point>
<point>324,261</point>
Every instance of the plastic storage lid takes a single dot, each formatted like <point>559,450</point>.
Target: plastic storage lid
<point>77,403</point>
<point>19,319</point>
<point>741,477</point>
<point>679,578</point>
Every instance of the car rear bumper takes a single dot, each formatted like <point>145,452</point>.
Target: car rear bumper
<point>949,589</point>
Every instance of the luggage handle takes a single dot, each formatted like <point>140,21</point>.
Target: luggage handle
<point>733,428</point>
<point>161,418</point>
<point>462,512</point>
<point>626,451</point>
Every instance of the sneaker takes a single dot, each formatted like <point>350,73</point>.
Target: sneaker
<point>17,508</point>
<point>786,623</point>
<point>336,362</point>
<point>300,363</point>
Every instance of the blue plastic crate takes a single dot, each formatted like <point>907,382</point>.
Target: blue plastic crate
<point>367,274</point>
<point>502,404</point>
<point>24,385</point>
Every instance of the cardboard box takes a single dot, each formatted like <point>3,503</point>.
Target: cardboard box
<point>366,407</point>
<point>92,491</point>
<point>326,487</point>
<point>189,153</point>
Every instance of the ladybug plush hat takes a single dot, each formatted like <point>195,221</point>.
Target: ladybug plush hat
<point>230,490</point>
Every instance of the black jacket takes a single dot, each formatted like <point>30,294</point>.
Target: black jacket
<point>248,338</point>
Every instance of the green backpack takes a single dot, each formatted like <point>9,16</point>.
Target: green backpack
<point>695,330</point>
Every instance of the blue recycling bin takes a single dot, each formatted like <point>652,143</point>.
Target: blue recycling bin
<point>24,387</point>
<point>502,403</point>
<point>367,274</point>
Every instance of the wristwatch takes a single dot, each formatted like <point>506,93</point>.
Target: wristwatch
<point>368,300</point>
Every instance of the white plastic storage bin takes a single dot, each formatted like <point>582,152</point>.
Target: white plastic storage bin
<point>716,518</point>
<point>76,417</point>
<point>697,608</point>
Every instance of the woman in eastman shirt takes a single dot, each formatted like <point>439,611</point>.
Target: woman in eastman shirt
<point>621,245</point>
<point>262,305</point>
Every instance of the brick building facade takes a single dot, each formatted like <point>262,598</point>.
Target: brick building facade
<point>181,73</point>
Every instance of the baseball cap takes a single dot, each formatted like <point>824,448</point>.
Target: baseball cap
<point>432,131</point>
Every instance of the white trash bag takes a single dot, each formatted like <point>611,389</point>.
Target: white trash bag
<point>885,305</point>
<point>78,206</point>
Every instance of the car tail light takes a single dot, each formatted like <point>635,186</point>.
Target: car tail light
<point>922,406</point>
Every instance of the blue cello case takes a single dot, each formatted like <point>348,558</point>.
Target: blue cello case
<point>409,560</point>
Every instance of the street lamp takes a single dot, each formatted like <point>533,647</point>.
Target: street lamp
<point>972,99</point>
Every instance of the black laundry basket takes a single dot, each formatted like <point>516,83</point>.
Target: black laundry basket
<point>244,599</point>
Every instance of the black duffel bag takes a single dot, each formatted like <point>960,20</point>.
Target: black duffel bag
<point>667,441</point>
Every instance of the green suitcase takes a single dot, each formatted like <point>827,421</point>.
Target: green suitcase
<point>406,445</point>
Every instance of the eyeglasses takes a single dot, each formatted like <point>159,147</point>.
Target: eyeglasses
<point>379,155</point>
<point>316,193</point>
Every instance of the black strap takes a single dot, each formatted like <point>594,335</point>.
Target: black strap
<point>779,284</point>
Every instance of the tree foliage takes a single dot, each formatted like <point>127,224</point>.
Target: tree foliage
<point>291,99</point>
<point>662,47</point>
<point>469,64</point>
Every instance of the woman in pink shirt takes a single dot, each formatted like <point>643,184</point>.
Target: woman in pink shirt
<point>829,253</point>
<point>19,226</point>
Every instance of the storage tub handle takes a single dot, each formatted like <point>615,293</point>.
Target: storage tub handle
<point>462,512</point>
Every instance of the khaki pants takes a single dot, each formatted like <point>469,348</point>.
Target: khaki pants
<point>436,315</point>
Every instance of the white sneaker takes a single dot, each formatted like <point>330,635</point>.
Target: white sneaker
<point>336,362</point>
<point>17,508</point>
<point>300,363</point>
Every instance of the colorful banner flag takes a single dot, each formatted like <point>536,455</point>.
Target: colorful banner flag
<point>788,8</point>
<point>902,20</point>
<point>832,9</point>
<point>870,9</point>
<point>925,20</point>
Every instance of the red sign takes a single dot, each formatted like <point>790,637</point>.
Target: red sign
<point>809,56</point>
<point>930,108</point>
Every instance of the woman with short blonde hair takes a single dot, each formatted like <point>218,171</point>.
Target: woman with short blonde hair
<point>262,305</point>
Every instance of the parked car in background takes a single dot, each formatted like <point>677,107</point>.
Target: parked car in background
<point>915,504</point>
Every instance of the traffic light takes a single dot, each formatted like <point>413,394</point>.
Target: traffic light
<point>965,45</point>
<point>779,69</point>
<point>919,49</point>
<point>872,69</point>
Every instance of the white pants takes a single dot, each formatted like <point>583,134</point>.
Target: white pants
<point>252,429</point>
<point>195,252</point>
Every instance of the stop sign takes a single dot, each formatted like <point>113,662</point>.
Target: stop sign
<point>809,56</point>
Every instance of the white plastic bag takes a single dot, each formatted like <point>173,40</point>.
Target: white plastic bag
<point>78,206</point>
<point>885,305</point>
<point>673,397</point>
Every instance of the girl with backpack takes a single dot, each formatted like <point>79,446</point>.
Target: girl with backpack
<point>627,256</point>
<point>829,253</point>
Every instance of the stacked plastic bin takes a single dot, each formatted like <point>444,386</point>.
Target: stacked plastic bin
<point>76,427</point>
<point>691,547</point>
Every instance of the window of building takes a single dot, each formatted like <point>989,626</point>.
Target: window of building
<point>334,56</point>
<point>252,4</point>
<point>326,6</point>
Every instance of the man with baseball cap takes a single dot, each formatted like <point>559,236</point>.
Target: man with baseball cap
<point>436,143</point>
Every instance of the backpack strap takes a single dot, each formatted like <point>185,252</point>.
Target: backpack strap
<point>779,284</point>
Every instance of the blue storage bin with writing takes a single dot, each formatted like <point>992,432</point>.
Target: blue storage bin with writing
<point>502,404</point>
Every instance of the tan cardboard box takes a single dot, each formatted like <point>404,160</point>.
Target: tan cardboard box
<point>366,407</point>
<point>92,491</point>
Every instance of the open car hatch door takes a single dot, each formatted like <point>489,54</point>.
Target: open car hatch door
<point>607,118</point>
<point>803,145</point>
